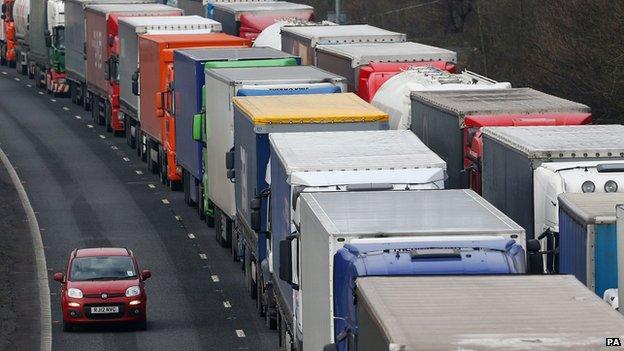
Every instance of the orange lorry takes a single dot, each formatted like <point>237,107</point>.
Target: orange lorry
<point>7,38</point>
<point>156,132</point>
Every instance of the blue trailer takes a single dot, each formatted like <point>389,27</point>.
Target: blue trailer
<point>588,238</point>
<point>189,80</point>
<point>417,256</point>
<point>254,118</point>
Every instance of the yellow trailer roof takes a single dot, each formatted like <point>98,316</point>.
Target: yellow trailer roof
<point>311,108</point>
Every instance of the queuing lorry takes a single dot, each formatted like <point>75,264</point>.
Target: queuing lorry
<point>368,65</point>
<point>208,9</point>
<point>254,118</point>
<point>222,85</point>
<point>302,40</point>
<point>393,96</point>
<point>103,57</point>
<point>249,18</point>
<point>491,312</point>
<point>188,65</point>
<point>76,45</point>
<point>128,72</point>
<point>327,221</point>
<point>449,122</point>
<point>588,238</point>
<point>7,29</point>
<point>21,12</point>
<point>156,125</point>
<point>526,168</point>
<point>46,45</point>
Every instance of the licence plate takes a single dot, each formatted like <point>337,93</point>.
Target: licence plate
<point>105,309</point>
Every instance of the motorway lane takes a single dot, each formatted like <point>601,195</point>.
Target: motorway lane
<point>89,189</point>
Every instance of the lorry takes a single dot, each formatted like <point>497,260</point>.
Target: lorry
<point>103,57</point>
<point>254,118</point>
<point>248,19</point>
<point>222,85</point>
<point>587,238</point>
<point>525,169</point>
<point>21,13</point>
<point>208,9</point>
<point>156,124</point>
<point>327,221</point>
<point>393,96</point>
<point>368,65</point>
<point>302,40</point>
<point>449,122</point>
<point>46,45</point>
<point>476,313</point>
<point>619,295</point>
<point>128,72</point>
<point>189,79</point>
<point>76,45</point>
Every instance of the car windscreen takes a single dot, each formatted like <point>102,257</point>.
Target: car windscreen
<point>102,268</point>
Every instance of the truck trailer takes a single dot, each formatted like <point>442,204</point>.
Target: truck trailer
<point>128,73</point>
<point>21,13</point>
<point>156,126</point>
<point>254,118</point>
<point>103,57</point>
<point>368,65</point>
<point>481,313</point>
<point>7,34</point>
<point>302,40</point>
<point>222,85</point>
<point>526,168</point>
<point>247,19</point>
<point>587,238</point>
<point>449,122</point>
<point>188,65</point>
<point>393,96</point>
<point>327,221</point>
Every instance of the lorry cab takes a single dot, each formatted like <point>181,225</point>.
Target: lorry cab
<point>413,256</point>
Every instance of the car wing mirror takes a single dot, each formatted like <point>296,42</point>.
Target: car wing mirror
<point>145,274</point>
<point>59,277</point>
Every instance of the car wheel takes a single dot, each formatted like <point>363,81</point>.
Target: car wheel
<point>142,325</point>
<point>67,327</point>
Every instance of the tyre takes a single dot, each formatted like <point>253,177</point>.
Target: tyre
<point>31,73</point>
<point>108,114</point>
<point>67,327</point>
<point>142,325</point>
<point>218,223</point>
<point>11,64</point>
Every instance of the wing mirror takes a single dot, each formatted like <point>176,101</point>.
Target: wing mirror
<point>145,274</point>
<point>59,277</point>
<point>135,83</point>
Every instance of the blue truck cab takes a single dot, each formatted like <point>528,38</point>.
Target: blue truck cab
<point>412,257</point>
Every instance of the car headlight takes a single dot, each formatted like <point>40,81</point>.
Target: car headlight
<point>75,293</point>
<point>133,291</point>
<point>588,186</point>
<point>611,186</point>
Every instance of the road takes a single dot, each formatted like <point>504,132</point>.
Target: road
<point>88,189</point>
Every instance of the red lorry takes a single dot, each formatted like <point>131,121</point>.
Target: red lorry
<point>7,39</point>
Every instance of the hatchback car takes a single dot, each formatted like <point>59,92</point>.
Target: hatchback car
<point>104,286</point>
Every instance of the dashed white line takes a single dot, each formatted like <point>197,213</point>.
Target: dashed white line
<point>89,126</point>
<point>151,186</point>
<point>28,85</point>
<point>40,92</point>
<point>139,172</point>
<point>240,333</point>
<point>191,236</point>
<point>178,218</point>
<point>203,256</point>
<point>3,72</point>
<point>126,159</point>
<point>165,201</point>
<point>114,147</point>
<point>102,136</point>
<point>215,278</point>
<point>78,117</point>
<point>227,304</point>
<point>65,108</point>
<point>16,79</point>
<point>53,100</point>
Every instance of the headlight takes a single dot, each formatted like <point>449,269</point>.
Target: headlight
<point>610,186</point>
<point>588,186</point>
<point>133,291</point>
<point>75,293</point>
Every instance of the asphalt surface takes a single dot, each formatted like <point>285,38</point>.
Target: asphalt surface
<point>88,189</point>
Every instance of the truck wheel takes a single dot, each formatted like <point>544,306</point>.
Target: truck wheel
<point>108,117</point>
<point>218,225</point>
<point>234,243</point>
<point>201,210</point>
<point>11,64</point>
<point>270,313</point>
<point>186,188</point>
<point>31,72</point>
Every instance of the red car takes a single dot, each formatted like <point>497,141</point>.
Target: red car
<point>103,285</point>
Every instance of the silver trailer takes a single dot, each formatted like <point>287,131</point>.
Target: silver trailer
<point>346,59</point>
<point>302,40</point>
<point>129,30</point>
<point>329,220</point>
<point>76,46</point>
<point>482,313</point>
<point>619,213</point>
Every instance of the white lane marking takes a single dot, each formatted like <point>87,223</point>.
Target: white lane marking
<point>40,261</point>
<point>102,136</point>
<point>65,108</point>
<point>16,79</point>
<point>89,126</point>
<point>151,186</point>
<point>40,92</point>
<point>78,117</point>
<point>165,201</point>
<point>28,85</point>
<point>126,159</point>
<point>139,172</point>
<point>240,333</point>
<point>53,100</point>
<point>3,72</point>
<point>227,304</point>
<point>178,218</point>
<point>114,147</point>
<point>191,236</point>
<point>203,256</point>
<point>215,278</point>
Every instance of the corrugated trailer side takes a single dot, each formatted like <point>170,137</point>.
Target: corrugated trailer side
<point>38,51</point>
